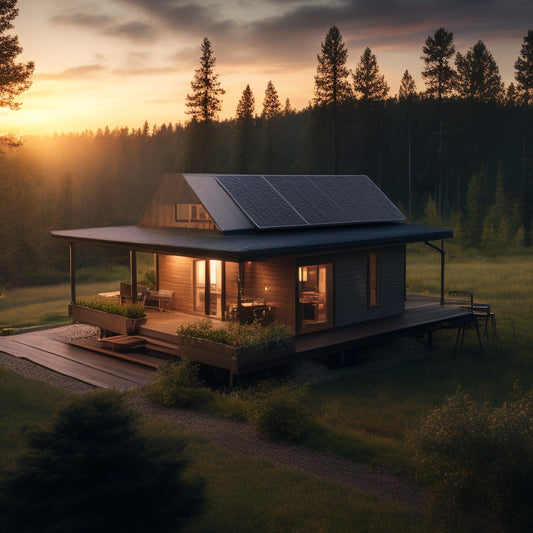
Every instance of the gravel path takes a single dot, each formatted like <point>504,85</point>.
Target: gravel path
<point>240,438</point>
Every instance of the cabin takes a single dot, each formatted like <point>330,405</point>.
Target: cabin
<point>320,253</point>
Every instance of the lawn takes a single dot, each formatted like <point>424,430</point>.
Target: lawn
<point>241,494</point>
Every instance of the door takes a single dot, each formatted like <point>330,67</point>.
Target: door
<point>315,297</point>
<point>208,287</point>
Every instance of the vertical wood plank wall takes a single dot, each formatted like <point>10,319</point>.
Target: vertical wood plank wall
<point>176,274</point>
<point>278,274</point>
<point>351,291</point>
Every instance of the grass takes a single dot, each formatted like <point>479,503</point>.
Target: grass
<point>27,307</point>
<point>368,417</point>
<point>241,494</point>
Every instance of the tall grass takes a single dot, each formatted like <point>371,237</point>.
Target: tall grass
<point>25,307</point>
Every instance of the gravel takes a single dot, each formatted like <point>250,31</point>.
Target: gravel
<point>240,438</point>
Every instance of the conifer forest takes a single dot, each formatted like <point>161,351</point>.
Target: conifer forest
<point>456,151</point>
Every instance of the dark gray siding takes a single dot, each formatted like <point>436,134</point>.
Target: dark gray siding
<point>351,292</point>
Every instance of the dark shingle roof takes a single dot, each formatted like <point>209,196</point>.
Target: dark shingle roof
<point>243,247</point>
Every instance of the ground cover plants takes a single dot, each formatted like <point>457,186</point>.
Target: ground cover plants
<point>112,307</point>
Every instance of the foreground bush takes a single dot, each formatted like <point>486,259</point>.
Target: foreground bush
<point>478,462</point>
<point>177,384</point>
<point>280,410</point>
<point>92,470</point>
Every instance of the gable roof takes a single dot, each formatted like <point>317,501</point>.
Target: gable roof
<point>242,203</point>
<point>253,224</point>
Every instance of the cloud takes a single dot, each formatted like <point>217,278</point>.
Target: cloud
<point>81,72</point>
<point>133,30</point>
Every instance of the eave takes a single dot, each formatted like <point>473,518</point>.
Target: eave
<point>253,246</point>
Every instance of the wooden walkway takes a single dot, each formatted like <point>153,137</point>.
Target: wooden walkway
<point>40,348</point>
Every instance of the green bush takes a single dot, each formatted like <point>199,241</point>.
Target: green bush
<point>261,337</point>
<point>178,384</point>
<point>92,470</point>
<point>478,462</point>
<point>114,308</point>
<point>280,410</point>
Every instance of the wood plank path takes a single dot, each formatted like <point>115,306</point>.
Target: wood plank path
<point>95,369</point>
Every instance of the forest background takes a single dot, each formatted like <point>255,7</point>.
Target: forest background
<point>450,155</point>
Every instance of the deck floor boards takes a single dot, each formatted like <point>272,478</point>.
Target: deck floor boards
<point>84,365</point>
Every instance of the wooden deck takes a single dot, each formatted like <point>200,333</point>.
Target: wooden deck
<point>85,365</point>
<point>95,363</point>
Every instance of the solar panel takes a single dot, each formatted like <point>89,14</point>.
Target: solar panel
<point>273,202</point>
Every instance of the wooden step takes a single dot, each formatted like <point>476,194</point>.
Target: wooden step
<point>161,346</point>
<point>133,357</point>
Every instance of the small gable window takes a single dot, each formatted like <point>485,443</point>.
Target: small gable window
<point>193,216</point>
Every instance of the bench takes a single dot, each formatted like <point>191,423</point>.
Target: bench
<point>158,299</point>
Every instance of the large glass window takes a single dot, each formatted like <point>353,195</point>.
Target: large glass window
<point>315,296</point>
<point>208,296</point>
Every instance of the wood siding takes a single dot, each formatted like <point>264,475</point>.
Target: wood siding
<point>161,211</point>
<point>279,275</point>
<point>176,274</point>
<point>351,285</point>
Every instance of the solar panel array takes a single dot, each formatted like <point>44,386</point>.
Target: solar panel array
<point>273,202</point>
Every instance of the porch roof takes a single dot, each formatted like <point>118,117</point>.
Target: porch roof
<point>253,246</point>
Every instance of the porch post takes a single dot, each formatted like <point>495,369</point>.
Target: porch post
<point>133,276</point>
<point>72,254</point>
<point>442,267</point>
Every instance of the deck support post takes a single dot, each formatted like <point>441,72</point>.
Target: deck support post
<point>133,276</point>
<point>442,267</point>
<point>72,254</point>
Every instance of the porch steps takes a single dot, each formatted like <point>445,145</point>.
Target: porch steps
<point>160,346</point>
<point>132,357</point>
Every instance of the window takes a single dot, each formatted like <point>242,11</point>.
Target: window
<point>314,296</point>
<point>373,292</point>
<point>193,216</point>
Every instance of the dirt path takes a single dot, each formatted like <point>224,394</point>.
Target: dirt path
<point>241,439</point>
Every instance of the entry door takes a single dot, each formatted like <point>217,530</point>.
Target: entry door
<point>208,287</point>
<point>315,297</point>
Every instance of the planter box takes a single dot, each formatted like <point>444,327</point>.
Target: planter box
<point>114,323</point>
<point>237,359</point>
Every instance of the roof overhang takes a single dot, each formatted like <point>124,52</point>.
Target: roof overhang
<point>253,246</point>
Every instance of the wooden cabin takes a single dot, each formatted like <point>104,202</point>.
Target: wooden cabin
<point>317,252</point>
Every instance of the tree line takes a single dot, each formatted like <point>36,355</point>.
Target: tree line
<point>456,153</point>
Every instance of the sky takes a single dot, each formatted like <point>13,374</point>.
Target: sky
<point>119,63</point>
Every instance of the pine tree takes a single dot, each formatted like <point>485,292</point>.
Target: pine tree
<point>332,91</point>
<point>478,77</point>
<point>369,84</point>
<point>407,90</point>
<point>331,79</point>
<point>438,74</point>
<point>524,69</point>
<point>271,103</point>
<point>243,151</point>
<point>246,105</point>
<point>14,77</point>
<point>204,103</point>
<point>476,207</point>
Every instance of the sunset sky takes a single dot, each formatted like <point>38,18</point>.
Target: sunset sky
<point>121,62</point>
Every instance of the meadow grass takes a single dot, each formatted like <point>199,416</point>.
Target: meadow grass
<point>369,416</point>
<point>26,307</point>
<point>241,494</point>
